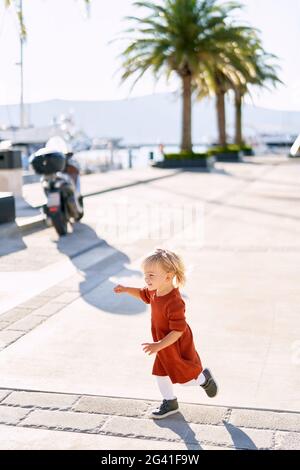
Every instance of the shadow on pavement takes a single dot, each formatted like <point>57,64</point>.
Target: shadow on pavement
<point>221,171</point>
<point>96,288</point>
<point>11,243</point>
<point>178,424</point>
<point>224,203</point>
<point>182,428</point>
<point>239,438</point>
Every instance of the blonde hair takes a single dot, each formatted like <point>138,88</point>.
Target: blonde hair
<point>170,262</point>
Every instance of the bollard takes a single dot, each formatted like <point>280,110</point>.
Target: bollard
<point>129,158</point>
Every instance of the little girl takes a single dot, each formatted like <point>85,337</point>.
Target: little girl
<point>177,360</point>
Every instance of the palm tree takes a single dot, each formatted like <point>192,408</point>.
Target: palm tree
<point>217,83</point>
<point>263,71</point>
<point>240,63</point>
<point>177,36</point>
<point>224,72</point>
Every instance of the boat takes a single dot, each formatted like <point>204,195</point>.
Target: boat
<point>295,149</point>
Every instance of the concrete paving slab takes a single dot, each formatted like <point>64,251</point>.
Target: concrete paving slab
<point>15,314</point>
<point>12,438</point>
<point>12,415</point>
<point>288,440</point>
<point>8,337</point>
<point>113,406</point>
<point>230,436</point>
<point>27,323</point>
<point>51,401</point>
<point>3,325</point>
<point>65,420</point>
<point>204,414</point>
<point>266,420</point>
<point>48,309</point>
<point>168,429</point>
<point>4,394</point>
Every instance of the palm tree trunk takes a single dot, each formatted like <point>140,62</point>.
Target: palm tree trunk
<point>186,137</point>
<point>221,116</point>
<point>238,118</point>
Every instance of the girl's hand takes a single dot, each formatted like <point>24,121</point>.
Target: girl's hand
<point>119,289</point>
<point>151,348</point>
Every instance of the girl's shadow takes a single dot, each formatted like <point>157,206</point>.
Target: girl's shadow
<point>178,424</point>
<point>96,288</point>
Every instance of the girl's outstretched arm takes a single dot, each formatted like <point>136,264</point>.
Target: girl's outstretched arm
<point>134,291</point>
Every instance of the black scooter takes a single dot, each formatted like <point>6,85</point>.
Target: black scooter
<point>61,183</point>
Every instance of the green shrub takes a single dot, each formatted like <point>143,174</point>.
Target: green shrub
<point>185,155</point>
<point>246,147</point>
<point>230,148</point>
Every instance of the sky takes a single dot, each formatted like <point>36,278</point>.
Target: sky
<point>69,56</point>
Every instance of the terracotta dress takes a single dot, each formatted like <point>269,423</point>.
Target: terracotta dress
<point>180,361</point>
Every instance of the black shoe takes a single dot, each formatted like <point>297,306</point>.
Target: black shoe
<point>167,408</point>
<point>209,385</point>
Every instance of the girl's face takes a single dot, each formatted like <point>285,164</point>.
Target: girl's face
<point>156,277</point>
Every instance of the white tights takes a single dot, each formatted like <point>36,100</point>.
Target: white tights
<point>166,387</point>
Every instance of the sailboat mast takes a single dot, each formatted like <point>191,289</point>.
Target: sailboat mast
<point>22,109</point>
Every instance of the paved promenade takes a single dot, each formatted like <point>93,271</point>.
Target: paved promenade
<point>73,374</point>
<point>42,420</point>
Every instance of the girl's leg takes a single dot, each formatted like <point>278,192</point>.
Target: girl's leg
<point>207,382</point>
<point>200,380</point>
<point>166,387</point>
<point>169,405</point>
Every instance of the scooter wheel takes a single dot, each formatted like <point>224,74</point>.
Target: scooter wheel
<point>60,224</point>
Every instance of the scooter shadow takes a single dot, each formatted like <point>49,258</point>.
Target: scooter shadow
<point>97,286</point>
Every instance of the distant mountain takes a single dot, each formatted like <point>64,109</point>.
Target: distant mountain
<point>151,119</point>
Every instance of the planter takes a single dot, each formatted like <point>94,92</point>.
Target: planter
<point>234,157</point>
<point>248,152</point>
<point>7,208</point>
<point>203,162</point>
